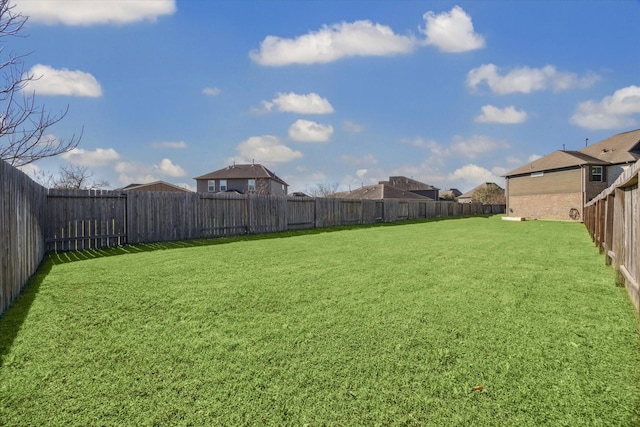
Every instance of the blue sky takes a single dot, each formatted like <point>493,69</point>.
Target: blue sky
<point>330,92</point>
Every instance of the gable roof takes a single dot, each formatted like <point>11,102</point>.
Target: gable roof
<point>621,148</point>
<point>251,171</point>
<point>159,186</point>
<point>469,194</point>
<point>557,160</point>
<point>408,184</point>
<point>380,191</point>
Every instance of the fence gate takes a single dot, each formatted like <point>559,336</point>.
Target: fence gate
<point>85,219</point>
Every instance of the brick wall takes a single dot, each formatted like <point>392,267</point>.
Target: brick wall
<point>545,206</point>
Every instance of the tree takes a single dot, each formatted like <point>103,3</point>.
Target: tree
<point>323,190</point>
<point>73,177</point>
<point>490,194</point>
<point>23,124</point>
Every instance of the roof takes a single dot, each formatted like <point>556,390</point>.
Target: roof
<point>469,194</point>
<point>380,191</point>
<point>557,160</point>
<point>408,184</point>
<point>251,171</point>
<point>621,148</point>
<point>172,187</point>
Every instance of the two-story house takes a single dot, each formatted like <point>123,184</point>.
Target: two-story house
<point>251,178</point>
<point>557,186</point>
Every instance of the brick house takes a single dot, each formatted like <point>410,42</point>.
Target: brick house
<point>558,185</point>
<point>252,178</point>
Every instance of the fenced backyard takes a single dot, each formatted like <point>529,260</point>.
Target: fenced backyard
<point>470,321</point>
<point>35,220</point>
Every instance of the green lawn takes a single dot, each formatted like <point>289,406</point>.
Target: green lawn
<point>386,325</point>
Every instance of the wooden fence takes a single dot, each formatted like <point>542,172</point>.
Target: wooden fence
<point>22,223</point>
<point>79,220</point>
<point>613,221</point>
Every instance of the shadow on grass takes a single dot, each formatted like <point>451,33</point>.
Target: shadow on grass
<point>71,256</point>
<point>12,319</point>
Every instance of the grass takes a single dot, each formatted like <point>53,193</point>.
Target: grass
<point>471,321</point>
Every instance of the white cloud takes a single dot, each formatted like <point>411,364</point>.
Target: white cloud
<point>367,159</point>
<point>612,112</point>
<point>211,91</point>
<point>31,169</point>
<point>169,144</point>
<point>331,43</point>
<point>473,175</point>
<point>166,167</point>
<point>92,12</point>
<point>360,173</point>
<point>51,82</point>
<point>466,147</point>
<point>265,149</point>
<point>291,102</point>
<point>533,157</point>
<point>134,173</point>
<point>527,80</point>
<point>452,31</point>
<point>308,131</point>
<point>352,127</point>
<point>509,115</point>
<point>476,145</point>
<point>98,157</point>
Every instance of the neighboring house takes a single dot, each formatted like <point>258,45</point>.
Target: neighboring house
<point>557,186</point>
<point>417,187</point>
<point>253,178</point>
<point>450,194</point>
<point>155,186</point>
<point>486,188</point>
<point>380,191</point>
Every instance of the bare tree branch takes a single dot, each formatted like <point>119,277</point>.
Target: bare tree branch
<point>73,177</point>
<point>23,124</point>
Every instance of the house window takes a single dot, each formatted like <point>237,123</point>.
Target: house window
<point>211,186</point>
<point>223,185</point>
<point>597,173</point>
<point>251,185</point>
<point>535,174</point>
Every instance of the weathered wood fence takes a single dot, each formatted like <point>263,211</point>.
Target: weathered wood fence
<point>34,220</point>
<point>22,223</point>
<point>613,221</point>
<point>78,220</point>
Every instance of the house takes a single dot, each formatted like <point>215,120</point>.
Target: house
<point>409,184</point>
<point>154,186</point>
<point>487,192</point>
<point>557,186</point>
<point>380,191</point>
<point>250,178</point>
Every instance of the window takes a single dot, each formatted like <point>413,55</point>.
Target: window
<point>251,185</point>
<point>223,185</point>
<point>535,174</point>
<point>597,173</point>
<point>211,186</point>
